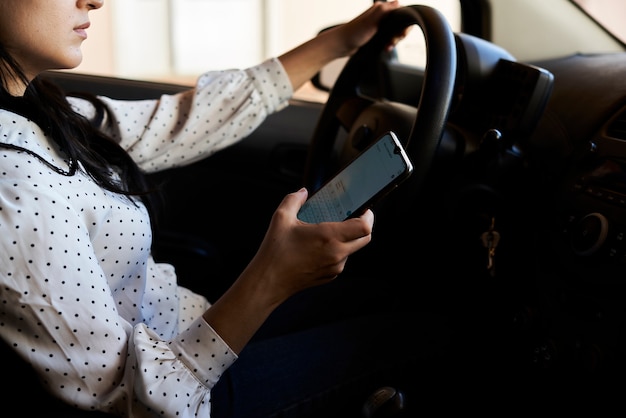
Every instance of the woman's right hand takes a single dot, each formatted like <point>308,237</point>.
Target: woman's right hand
<point>293,256</point>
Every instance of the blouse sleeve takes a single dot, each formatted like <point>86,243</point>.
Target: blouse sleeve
<point>179,129</point>
<point>60,313</point>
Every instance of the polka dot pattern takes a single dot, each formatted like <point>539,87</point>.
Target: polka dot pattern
<point>81,298</point>
<point>176,130</point>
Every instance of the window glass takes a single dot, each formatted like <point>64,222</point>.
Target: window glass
<point>175,40</point>
<point>609,13</point>
<point>412,50</point>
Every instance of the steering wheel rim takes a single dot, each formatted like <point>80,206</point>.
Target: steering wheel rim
<point>434,105</point>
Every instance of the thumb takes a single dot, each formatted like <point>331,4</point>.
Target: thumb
<point>294,201</point>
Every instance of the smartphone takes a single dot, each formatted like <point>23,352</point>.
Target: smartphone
<point>358,186</point>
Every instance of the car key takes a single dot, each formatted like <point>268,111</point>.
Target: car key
<point>490,239</point>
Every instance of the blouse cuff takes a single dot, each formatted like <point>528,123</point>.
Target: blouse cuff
<point>203,351</point>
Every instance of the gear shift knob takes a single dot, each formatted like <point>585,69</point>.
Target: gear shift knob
<point>386,402</point>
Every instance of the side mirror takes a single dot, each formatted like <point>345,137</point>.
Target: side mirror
<point>326,77</point>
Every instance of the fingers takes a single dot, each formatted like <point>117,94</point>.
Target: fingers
<point>291,204</point>
<point>361,29</point>
<point>359,227</point>
<point>378,10</point>
<point>355,233</point>
<point>350,229</point>
<point>295,255</point>
<point>296,199</point>
<point>368,216</point>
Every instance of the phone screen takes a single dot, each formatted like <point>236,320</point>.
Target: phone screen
<point>373,173</point>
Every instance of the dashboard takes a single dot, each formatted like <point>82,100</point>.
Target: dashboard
<point>578,152</point>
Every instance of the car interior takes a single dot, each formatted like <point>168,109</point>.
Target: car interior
<point>512,224</point>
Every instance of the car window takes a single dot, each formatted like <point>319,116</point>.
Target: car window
<point>175,40</point>
<point>412,50</point>
<point>611,14</point>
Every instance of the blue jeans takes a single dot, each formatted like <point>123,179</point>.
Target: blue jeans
<point>314,358</point>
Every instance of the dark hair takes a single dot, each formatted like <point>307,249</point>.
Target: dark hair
<point>79,138</point>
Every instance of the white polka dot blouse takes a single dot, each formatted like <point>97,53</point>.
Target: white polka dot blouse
<point>81,299</point>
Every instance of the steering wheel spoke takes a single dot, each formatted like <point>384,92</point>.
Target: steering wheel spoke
<point>350,110</point>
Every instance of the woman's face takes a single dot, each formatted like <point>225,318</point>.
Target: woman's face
<point>45,34</point>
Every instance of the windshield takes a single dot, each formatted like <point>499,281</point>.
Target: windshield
<point>176,40</point>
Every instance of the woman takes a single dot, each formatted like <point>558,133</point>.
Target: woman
<point>103,326</point>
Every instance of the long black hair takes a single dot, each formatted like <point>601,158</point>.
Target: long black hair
<point>80,139</point>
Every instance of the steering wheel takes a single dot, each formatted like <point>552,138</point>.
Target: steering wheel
<point>365,118</point>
